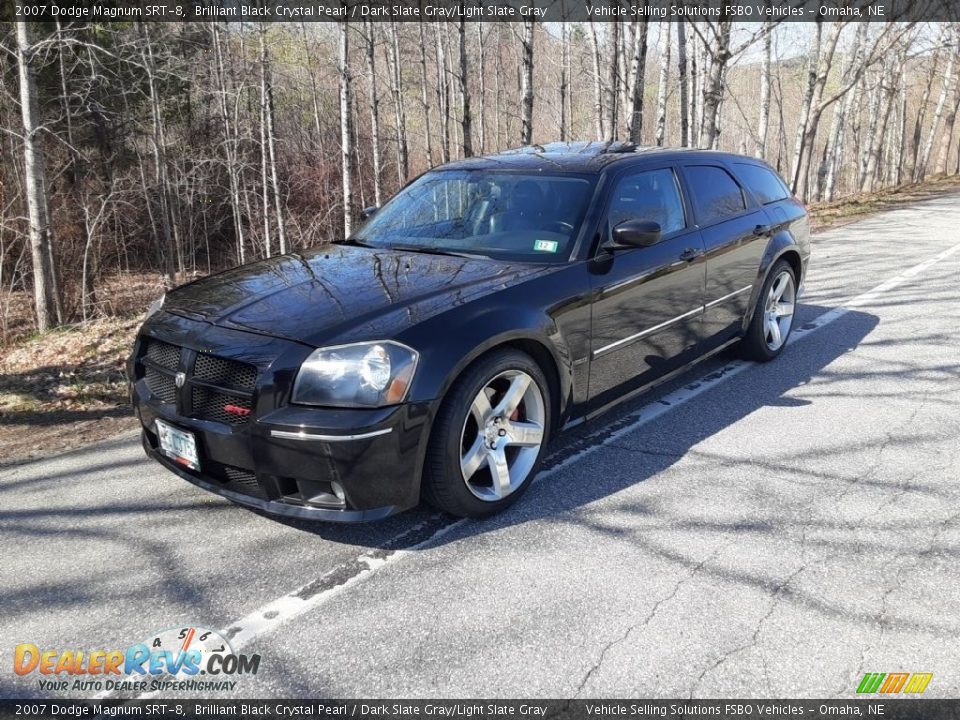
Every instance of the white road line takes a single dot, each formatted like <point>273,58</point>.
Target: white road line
<point>303,599</point>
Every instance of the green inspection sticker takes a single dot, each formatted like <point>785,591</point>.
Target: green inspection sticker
<point>545,245</point>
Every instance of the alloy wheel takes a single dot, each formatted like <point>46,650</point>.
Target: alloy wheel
<point>778,312</point>
<point>502,435</point>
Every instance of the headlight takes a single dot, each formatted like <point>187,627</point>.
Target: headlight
<point>360,375</point>
<point>155,306</point>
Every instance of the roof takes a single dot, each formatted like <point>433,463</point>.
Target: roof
<point>580,156</point>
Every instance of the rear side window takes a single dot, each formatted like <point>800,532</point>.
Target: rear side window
<point>650,195</point>
<point>765,184</point>
<point>714,193</point>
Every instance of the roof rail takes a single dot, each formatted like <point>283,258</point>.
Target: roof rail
<point>620,146</point>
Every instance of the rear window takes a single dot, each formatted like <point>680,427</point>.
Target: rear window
<point>714,193</point>
<point>765,184</point>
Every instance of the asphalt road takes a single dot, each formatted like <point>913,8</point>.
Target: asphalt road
<point>748,530</point>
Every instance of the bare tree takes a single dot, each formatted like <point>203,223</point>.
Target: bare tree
<point>465,119</point>
<point>443,93</point>
<point>423,94</point>
<point>45,293</point>
<point>684,81</point>
<point>526,87</point>
<point>598,114</point>
<point>916,135</point>
<point>948,80</point>
<point>266,87</point>
<point>564,80</point>
<point>638,71</point>
<point>663,85</point>
<point>834,148</point>
<point>229,143</point>
<point>374,102</point>
<point>481,115</point>
<point>613,80</point>
<point>763,122</point>
<point>396,86</point>
<point>346,127</point>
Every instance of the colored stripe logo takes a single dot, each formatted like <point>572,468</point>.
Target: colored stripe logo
<point>893,683</point>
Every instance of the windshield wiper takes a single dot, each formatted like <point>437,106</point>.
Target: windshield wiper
<point>432,250</point>
<point>353,242</point>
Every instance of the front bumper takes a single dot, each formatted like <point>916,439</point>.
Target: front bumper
<point>286,463</point>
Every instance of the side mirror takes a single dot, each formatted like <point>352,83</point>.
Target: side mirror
<point>368,212</point>
<point>635,233</point>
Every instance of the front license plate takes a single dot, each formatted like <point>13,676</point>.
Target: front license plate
<point>179,445</point>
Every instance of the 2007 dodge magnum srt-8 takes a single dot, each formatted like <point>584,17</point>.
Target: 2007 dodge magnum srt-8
<point>492,302</point>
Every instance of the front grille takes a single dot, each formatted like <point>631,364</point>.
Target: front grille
<point>210,404</point>
<point>161,385</point>
<point>213,383</point>
<point>243,481</point>
<point>225,373</point>
<point>163,354</point>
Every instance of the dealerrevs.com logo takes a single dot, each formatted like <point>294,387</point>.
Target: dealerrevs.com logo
<point>189,658</point>
<point>894,683</point>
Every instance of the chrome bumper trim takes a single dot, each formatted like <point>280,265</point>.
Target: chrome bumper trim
<point>287,435</point>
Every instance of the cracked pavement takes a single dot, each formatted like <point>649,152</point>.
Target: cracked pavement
<point>788,529</point>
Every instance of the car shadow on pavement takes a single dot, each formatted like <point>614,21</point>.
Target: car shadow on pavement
<point>560,493</point>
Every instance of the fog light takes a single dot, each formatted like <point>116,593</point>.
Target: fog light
<point>338,491</point>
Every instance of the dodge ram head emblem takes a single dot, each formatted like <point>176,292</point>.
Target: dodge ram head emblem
<point>180,379</point>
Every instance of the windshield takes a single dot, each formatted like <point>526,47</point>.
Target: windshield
<point>503,215</point>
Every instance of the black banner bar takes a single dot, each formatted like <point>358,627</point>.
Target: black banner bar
<point>879,11</point>
<point>886,709</point>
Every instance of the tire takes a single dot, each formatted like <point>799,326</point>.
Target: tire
<point>762,342</point>
<point>472,438</point>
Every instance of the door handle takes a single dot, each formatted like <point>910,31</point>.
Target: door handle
<point>691,254</point>
<point>763,230</point>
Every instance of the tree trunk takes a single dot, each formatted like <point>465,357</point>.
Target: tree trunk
<point>921,117</point>
<point>267,81</point>
<point>713,89</point>
<point>664,83</point>
<point>443,94</point>
<point>428,134</point>
<point>684,79</point>
<point>638,72</point>
<point>564,80</point>
<point>44,292</point>
<point>466,121</point>
<point>526,87</point>
<point>613,81</point>
<point>346,127</point>
<point>833,151</point>
<point>481,115</point>
<point>947,137</point>
<point>160,163</point>
<point>229,144</point>
<point>396,79</point>
<point>374,102</point>
<point>924,160</point>
<point>763,123</point>
<point>597,84</point>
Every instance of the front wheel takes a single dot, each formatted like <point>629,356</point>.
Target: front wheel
<point>773,315</point>
<point>489,436</point>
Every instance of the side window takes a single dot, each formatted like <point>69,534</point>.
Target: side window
<point>765,184</point>
<point>650,195</point>
<point>714,193</point>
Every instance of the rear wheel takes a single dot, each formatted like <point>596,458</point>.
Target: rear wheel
<point>773,315</point>
<point>489,437</point>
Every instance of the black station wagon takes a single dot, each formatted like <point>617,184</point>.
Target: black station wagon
<point>491,303</point>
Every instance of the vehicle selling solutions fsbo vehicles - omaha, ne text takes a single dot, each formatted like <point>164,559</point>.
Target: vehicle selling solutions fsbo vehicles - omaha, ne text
<point>489,304</point>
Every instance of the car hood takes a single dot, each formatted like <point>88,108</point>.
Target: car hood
<point>327,295</point>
